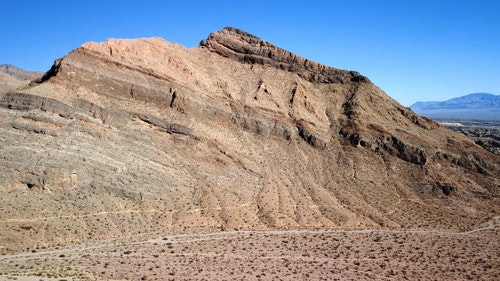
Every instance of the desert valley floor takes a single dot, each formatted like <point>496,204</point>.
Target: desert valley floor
<point>300,254</point>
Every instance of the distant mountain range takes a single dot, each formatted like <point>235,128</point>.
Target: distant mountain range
<point>12,77</point>
<point>482,106</point>
<point>19,73</point>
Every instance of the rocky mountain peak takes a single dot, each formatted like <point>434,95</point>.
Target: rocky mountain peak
<point>133,136</point>
<point>244,47</point>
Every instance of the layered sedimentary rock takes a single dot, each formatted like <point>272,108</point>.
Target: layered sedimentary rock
<point>132,136</point>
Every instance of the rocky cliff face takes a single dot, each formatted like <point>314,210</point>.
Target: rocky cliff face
<point>131,136</point>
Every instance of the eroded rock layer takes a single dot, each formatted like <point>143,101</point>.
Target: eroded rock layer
<point>131,136</point>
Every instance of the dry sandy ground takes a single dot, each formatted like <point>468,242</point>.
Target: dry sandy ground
<point>308,254</point>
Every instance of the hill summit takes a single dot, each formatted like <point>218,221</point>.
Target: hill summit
<point>126,137</point>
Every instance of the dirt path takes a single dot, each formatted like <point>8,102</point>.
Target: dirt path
<point>492,224</point>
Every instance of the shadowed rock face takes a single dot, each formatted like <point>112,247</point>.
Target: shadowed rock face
<point>132,136</point>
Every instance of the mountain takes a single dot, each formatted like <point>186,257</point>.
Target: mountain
<point>20,73</point>
<point>12,77</point>
<point>481,106</point>
<point>128,137</point>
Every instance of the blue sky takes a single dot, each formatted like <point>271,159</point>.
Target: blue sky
<point>415,50</point>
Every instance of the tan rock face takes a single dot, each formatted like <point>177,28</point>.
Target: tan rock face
<point>133,136</point>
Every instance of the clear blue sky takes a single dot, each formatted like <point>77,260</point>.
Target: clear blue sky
<point>415,50</point>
